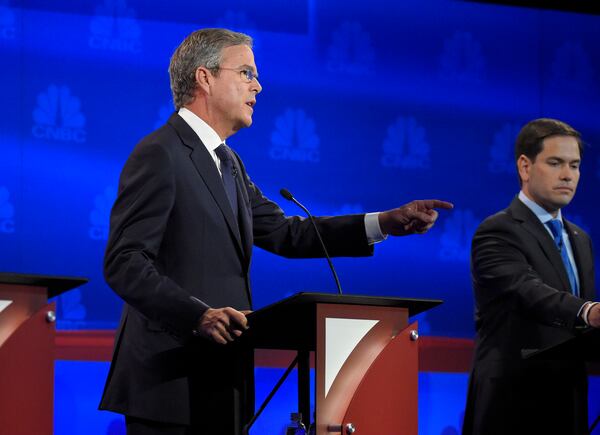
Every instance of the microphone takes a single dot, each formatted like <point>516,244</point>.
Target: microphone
<point>287,195</point>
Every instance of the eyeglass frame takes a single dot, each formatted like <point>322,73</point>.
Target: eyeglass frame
<point>245,73</point>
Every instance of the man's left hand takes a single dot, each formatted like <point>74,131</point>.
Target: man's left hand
<point>416,217</point>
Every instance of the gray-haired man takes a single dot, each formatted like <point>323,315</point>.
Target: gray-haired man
<point>181,237</point>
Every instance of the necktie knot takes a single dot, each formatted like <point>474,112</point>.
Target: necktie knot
<point>223,153</point>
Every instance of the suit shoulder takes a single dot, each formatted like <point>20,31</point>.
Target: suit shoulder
<point>153,153</point>
<point>497,220</point>
<point>160,137</point>
<point>159,142</point>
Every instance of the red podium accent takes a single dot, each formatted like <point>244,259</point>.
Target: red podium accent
<point>436,354</point>
<point>386,400</point>
<point>27,335</point>
<point>332,407</point>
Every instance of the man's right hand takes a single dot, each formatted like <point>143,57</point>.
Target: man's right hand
<point>222,325</point>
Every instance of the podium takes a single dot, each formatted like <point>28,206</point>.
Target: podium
<point>366,358</point>
<point>27,332</point>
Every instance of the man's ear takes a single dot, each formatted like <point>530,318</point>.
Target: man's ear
<point>203,79</point>
<point>524,167</point>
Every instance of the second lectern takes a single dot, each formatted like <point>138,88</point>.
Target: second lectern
<point>366,358</point>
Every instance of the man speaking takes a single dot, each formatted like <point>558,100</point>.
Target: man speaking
<point>533,278</point>
<point>181,235</point>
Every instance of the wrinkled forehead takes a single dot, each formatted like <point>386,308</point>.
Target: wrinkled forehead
<point>236,56</point>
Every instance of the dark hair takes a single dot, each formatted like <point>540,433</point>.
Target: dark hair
<point>530,141</point>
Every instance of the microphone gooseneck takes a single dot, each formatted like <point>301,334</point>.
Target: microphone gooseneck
<point>287,195</point>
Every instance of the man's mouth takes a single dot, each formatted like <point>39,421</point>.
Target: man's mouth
<point>564,189</point>
<point>251,104</point>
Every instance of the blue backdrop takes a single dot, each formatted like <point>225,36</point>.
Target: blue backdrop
<point>365,107</point>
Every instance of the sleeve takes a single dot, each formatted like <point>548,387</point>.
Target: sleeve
<point>295,237</point>
<point>501,271</point>
<point>137,224</point>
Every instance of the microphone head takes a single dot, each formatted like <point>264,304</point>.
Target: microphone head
<point>286,194</point>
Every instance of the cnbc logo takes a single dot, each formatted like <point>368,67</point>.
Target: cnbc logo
<point>295,138</point>
<point>115,28</point>
<point>7,212</point>
<point>58,116</point>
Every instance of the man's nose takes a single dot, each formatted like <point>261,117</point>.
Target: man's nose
<point>256,86</point>
<point>567,173</point>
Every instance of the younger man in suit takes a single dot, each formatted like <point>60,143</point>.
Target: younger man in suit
<point>533,280</point>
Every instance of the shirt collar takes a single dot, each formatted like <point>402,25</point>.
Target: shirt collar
<point>205,132</point>
<point>538,210</point>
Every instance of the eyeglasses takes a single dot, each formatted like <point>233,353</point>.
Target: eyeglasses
<point>246,74</point>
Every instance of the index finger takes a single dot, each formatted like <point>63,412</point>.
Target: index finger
<point>437,203</point>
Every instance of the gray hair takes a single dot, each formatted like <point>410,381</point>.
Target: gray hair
<point>200,48</point>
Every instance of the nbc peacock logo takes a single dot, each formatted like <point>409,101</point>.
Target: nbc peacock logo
<point>295,138</point>
<point>406,145</point>
<point>115,28</point>
<point>58,116</point>
<point>351,50</point>
<point>462,59</point>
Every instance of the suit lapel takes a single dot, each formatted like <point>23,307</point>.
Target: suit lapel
<point>206,168</point>
<point>582,255</point>
<point>532,224</point>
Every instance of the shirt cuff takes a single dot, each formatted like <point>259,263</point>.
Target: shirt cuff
<point>372,228</point>
<point>584,311</point>
<point>204,308</point>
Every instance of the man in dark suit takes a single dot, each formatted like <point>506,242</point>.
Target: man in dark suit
<point>533,279</point>
<point>180,244</point>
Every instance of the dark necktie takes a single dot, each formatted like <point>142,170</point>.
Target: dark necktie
<point>228,172</point>
<point>556,227</point>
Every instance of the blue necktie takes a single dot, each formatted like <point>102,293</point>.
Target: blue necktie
<point>227,174</point>
<point>556,227</point>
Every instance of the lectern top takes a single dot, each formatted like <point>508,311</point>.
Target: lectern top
<point>55,284</point>
<point>290,323</point>
<point>415,306</point>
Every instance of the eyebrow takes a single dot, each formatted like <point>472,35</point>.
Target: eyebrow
<point>250,67</point>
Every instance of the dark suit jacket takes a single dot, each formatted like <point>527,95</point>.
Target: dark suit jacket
<point>523,301</point>
<point>175,249</point>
